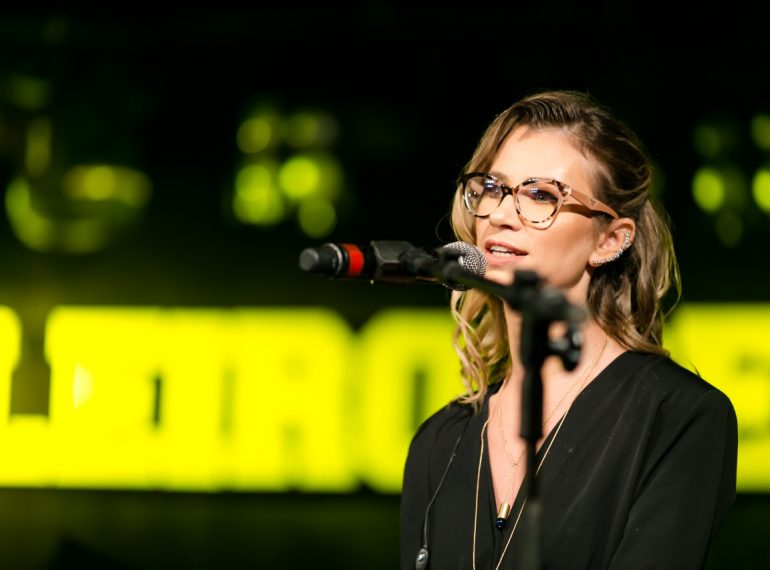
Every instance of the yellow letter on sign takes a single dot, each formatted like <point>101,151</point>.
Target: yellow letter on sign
<point>729,345</point>
<point>408,370</point>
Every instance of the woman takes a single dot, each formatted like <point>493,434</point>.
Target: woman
<point>637,467</point>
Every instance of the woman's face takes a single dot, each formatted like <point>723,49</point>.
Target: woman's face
<point>558,252</point>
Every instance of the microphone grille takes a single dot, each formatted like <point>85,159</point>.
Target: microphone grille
<point>471,259</point>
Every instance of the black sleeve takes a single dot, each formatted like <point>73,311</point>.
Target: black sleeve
<point>685,492</point>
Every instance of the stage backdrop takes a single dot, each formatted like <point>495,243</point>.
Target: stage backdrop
<point>176,392</point>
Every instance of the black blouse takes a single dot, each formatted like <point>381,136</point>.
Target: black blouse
<point>640,475</point>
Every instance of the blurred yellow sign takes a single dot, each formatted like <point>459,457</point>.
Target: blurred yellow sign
<point>280,399</point>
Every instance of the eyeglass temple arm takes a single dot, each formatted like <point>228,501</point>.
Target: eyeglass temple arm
<point>593,203</point>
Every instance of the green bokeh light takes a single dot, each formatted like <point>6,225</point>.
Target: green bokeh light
<point>300,176</point>
<point>729,228</point>
<point>760,188</point>
<point>309,129</point>
<point>708,140</point>
<point>38,151</point>
<point>28,92</point>
<point>317,217</point>
<point>760,131</point>
<point>302,130</point>
<point>100,182</point>
<point>257,199</point>
<point>75,230</point>
<point>708,189</point>
<point>254,135</point>
<point>29,227</point>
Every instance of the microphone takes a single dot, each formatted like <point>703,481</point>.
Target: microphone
<point>392,262</point>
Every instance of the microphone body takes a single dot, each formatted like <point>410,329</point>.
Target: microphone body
<point>391,261</point>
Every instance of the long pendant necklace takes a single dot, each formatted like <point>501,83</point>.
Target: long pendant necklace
<point>545,454</point>
<point>504,510</point>
<point>505,507</point>
<point>518,516</point>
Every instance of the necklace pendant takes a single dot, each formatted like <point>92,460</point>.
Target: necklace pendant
<point>502,515</point>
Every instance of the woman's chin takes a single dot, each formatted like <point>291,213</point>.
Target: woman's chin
<point>500,274</point>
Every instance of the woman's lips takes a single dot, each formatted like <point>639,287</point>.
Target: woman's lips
<point>499,253</point>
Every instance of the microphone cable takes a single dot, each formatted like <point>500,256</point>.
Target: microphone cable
<point>423,556</point>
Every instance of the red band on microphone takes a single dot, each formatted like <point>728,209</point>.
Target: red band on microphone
<point>356,260</point>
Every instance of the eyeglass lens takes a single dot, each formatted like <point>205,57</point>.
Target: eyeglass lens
<point>537,200</point>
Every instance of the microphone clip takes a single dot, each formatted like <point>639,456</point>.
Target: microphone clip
<point>394,257</point>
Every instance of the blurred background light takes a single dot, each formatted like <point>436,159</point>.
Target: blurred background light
<point>257,199</point>
<point>309,129</point>
<point>255,135</point>
<point>102,182</point>
<point>91,207</point>
<point>708,188</point>
<point>288,170</point>
<point>729,228</point>
<point>317,217</point>
<point>299,177</point>
<point>27,91</point>
<point>760,130</point>
<point>38,152</point>
<point>760,189</point>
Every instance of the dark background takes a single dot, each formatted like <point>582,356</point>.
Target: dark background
<point>412,87</point>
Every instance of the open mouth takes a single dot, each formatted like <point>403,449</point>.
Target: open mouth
<point>503,251</point>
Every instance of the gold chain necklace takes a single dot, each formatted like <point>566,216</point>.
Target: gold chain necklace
<point>505,507</point>
<point>504,510</point>
<point>553,439</point>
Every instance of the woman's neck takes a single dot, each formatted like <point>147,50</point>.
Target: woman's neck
<point>593,338</point>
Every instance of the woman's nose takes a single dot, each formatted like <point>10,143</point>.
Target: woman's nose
<point>505,215</point>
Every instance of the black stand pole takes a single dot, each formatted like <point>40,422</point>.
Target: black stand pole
<point>539,307</point>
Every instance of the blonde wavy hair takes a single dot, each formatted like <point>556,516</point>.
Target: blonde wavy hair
<point>625,297</point>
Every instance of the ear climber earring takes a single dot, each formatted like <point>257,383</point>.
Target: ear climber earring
<point>596,262</point>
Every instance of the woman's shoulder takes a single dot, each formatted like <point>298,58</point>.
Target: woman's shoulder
<point>662,378</point>
<point>449,419</point>
<point>441,432</point>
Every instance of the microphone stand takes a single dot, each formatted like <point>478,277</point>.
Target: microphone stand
<point>539,307</point>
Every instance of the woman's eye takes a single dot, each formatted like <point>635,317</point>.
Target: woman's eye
<point>542,196</point>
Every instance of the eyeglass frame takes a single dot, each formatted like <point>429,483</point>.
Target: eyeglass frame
<point>565,190</point>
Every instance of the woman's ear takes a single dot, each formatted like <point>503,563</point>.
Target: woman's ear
<point>613,241</point>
